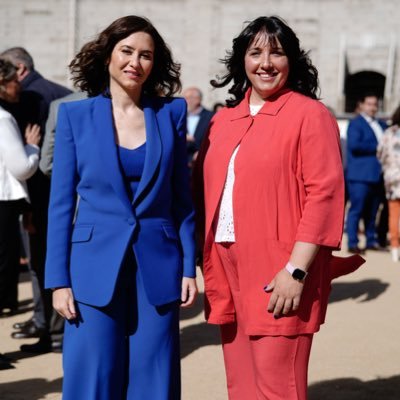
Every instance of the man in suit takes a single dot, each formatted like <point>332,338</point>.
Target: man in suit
<point>198,119</point>
<point>37,94</point>
<point>364,175</point>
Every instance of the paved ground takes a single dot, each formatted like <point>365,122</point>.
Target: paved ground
<point>356,356</point>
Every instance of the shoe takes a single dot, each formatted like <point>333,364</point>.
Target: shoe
<point>5,365</point>
<point>40,347</point>
<point>395,254</point>
<point>355,250</point>
<point>56,346</point>
<point>30,331</point>
<point>5,358</point>
<point>376,247</point>
<point>23,325</point>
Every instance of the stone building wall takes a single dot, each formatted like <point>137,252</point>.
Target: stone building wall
<point>343,36</point>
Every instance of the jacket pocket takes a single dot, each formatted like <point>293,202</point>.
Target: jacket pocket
<point>170,232</point>
<point>82,234</point>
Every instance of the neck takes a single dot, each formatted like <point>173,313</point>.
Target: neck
<point>124,99</point>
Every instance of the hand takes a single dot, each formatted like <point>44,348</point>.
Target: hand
<point>63,303</point>
<point>190,138</point>
<point>27,222</point>
<point>32,134</point>
<point>286,294</point>
<point>189,292</point>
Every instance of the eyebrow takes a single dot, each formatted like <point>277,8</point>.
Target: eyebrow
<point>132,48</point>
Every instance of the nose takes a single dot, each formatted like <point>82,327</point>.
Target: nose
<point>134,60</point>
<point>266,60</point>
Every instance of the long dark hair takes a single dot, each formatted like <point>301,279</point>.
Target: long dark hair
<point>90,72</point>
<point>303,76</point>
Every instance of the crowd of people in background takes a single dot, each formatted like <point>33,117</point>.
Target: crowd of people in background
<point>29,109</point>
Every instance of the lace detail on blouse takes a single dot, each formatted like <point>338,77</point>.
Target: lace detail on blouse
<point>225,231</point>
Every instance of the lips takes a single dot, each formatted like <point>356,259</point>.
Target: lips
<point>132,74</point>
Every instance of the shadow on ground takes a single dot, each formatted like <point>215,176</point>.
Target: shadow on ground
<point>366,290</point>
<point>196,336</point>
<point>189,313</point>
<point>354,389</point>
<point>32,389</point>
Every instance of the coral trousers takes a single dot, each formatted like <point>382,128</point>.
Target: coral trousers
<point>260,367</point>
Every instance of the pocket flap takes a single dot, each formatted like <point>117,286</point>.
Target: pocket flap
<point>170,232</point>
<point>82,233</point>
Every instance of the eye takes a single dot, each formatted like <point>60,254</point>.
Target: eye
<point>126,51</point>
<point>147,56</point>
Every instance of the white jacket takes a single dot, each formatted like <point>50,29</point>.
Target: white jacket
<point>16,162</point>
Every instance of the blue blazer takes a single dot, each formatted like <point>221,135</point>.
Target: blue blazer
<point>85,251</point>
<point>362,163</point>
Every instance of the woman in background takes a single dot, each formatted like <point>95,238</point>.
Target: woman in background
<point>388,153</point>
<point>18,162</point>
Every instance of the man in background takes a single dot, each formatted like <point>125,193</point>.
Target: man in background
<point>364,174</point>
<point>198,119</point>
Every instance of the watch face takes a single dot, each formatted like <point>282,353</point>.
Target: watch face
<point>299,274</point>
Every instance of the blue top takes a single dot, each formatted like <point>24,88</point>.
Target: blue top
<point>132,163</point>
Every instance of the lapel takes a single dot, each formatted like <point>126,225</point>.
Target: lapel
<point>368,130</point>
<point>104,130</point>
<point>153,149</point>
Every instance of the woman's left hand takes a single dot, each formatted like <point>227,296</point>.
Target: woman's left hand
<point>286,294</point>
<point>189,292</point>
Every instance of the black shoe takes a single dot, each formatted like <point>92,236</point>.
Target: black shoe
<point>40,347</point>
<point>31,331</point>
<point>355,250</point>
<point>23,325</point>
<point>5,365</point>
<point>5,358</point>
<point>56,346</point>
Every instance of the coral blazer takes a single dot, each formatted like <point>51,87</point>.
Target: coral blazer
<point>289,187</point>
<point>87,254</point>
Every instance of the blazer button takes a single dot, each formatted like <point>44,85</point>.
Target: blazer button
<point>131,220</point>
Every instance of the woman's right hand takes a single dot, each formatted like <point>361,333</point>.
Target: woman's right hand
<point>63,303</point>
<point>32,134</point>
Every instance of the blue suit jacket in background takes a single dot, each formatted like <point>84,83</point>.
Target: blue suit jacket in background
<point>87,254</point>
<point>362,163</point>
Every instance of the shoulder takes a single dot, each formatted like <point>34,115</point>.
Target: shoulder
<point>5,114</point>
<point>175,106</point>
<point>310,106</point>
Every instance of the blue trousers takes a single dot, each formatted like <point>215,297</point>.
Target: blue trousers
<point>364,203</point>
<point>126,350</point>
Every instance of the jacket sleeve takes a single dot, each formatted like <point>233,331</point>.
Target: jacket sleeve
<point>182,202</point>
<point>20,161</point>
<point>356,144</point>
<point>62,204</point>
<point>322,177</point>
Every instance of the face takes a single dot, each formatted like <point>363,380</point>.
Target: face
<point>369,106</point>
<point>267,68</point>
<point>10,90</point>
<point>131,62</point>
<point>193,99</point>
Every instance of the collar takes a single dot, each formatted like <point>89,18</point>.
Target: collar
<point>367,118</point>
<point>270,107</point>
<point>32,76</point>
<point>196,112</point>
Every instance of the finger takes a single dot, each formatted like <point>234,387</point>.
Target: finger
<point>184,292</point>
<point>270,287</point>
<point>192,296</point>
<point>287,306</point>
<point>296,303</point>
<point>279,306</point>
<point>71,308</point>
<point>272,302</point>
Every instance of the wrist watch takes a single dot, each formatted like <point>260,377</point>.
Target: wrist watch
<point>296,273</point>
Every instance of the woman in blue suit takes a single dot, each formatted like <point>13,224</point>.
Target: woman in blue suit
<point>121,259</point>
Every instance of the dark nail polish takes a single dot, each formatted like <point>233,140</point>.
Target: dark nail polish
<point>265,287</point>
<point>277,316</point>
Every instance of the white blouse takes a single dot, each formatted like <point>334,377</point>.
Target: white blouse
<point>17,162</point>
<point>225,231</point>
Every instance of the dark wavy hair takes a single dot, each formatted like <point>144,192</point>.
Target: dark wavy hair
<point>89,67</point>
<point>303,76</point>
